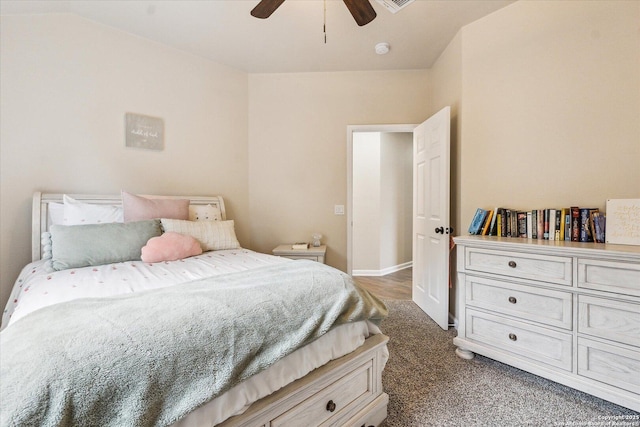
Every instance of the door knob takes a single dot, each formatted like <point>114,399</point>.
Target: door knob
<point>440,230</point>
<point>449,230</point>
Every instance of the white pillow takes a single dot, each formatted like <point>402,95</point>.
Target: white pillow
<point>78,213</point>
<point>212,235</point>
<point>204,213</point>
<point>56,213</point>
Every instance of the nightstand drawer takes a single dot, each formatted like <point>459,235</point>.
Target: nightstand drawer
<point>609,276</point>
<point>546,306</point>
<point>333,402</point>
<point>613,365</point>
<point>553,269</point>
<point>609,319</point>
<point>519,338</point>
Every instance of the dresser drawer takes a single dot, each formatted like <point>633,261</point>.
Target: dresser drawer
<point>613,365</point>
<point>609,276</point>
<point>546,306</point>
<point>553,269</point>
<point>528,341</point>
<point>610,319</point>
<point>330,404</point>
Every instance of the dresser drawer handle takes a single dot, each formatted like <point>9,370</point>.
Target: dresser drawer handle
<point>513,337</point>
<point>331,406</point>
<point>512,264</point>
<point>513,300</point>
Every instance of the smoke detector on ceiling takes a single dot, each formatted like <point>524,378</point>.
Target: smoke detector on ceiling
<point>382,48</point>
<point>395,5</point>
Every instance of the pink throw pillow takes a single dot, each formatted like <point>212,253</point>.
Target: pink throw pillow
<point>170,247</point>
<point>137,208</point>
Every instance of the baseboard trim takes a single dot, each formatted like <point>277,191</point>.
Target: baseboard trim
<point>453,321</point>
<point>384,271</point>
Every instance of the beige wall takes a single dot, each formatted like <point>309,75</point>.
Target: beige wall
<point>298,147</point>
<point>382,205</point>
<point>550,106</point>
<point>445,84</point>
<point>366,201</point>
<point>66,84</point>
<point>545,101</point>
<point>396,208</point>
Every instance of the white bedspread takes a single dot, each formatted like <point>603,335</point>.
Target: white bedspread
<point>35,288</point>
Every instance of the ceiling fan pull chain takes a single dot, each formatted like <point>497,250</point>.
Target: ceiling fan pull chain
<point>324,24</point>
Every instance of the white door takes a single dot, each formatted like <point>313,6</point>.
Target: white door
<point>431,216</point>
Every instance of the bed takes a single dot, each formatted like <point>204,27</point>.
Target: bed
<point>226,337</point>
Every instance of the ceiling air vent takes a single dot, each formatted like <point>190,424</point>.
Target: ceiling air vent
<point>395,5</point>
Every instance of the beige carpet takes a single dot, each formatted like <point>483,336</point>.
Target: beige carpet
<point>428,385</point>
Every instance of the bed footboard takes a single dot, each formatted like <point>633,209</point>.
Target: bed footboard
<point>345,392</point>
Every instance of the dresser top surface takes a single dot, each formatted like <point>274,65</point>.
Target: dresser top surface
<point>551,246</point>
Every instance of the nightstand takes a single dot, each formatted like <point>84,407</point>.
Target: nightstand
<point>313,253</point>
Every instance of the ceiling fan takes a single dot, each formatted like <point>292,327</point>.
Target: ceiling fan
<point>361,10</point>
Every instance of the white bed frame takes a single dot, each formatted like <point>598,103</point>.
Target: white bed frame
<point>41,219</point>
<point>344,392</point>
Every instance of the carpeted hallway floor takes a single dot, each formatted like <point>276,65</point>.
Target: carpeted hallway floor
<point>428,385</point>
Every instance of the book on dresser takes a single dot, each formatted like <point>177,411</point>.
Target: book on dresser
<point>575,224</point>
<point>521,220</point>
<point>493,228</point>
<point>540,223</point>
<point>551,235</point>
<point>478,220</point>
<point>487,223</point>
<point>585,224</point>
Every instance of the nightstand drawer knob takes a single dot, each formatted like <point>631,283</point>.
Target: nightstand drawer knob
<point>331,406</point>
<point>512,264</point>
<point>513,300</point>
<point>513,337</point>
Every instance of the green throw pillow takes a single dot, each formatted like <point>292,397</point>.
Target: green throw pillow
<point>74,246</point>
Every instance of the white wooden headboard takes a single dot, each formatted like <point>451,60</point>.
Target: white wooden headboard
<point>40,213</point>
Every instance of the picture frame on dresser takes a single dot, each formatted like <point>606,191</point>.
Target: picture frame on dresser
<point>566,311</point>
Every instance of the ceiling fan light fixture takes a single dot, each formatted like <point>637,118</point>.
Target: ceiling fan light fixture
<point>382,48</point>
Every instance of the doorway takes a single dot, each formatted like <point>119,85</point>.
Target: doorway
<point>379,199</point>
<point>430,164</point>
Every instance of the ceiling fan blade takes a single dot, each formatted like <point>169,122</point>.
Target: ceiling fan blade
<point>361,10</point>
<point>265,8</point>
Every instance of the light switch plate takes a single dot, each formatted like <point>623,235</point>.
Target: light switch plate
<point>338,209</point>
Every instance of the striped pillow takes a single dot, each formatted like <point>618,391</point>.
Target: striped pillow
<point>212,235</point>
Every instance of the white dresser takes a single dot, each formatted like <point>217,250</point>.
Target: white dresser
<point>566,311</point>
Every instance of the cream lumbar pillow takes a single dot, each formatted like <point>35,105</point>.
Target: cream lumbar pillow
<point>212,235</point>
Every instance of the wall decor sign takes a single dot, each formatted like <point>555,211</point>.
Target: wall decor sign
<point>144,131</point>
<point>623,221</point>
